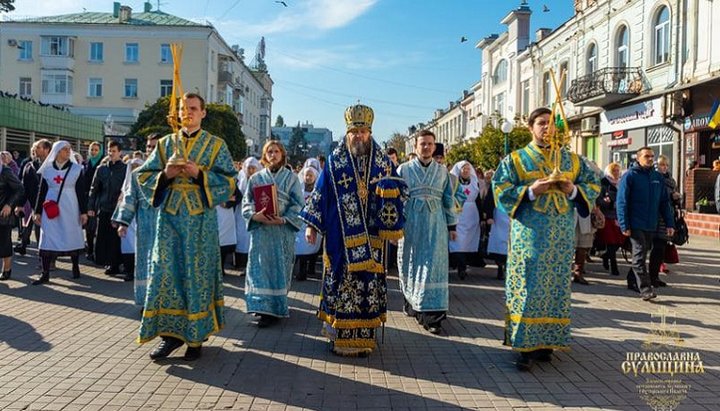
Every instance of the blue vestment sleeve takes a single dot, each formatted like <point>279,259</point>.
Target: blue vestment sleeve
<point>218,182</point>
<point>127,207</point>
<point>507,190</point>
<point>295,205</point>
<point>248,205</point>
<point>449,202</point>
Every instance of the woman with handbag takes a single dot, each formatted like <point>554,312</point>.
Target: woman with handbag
<point>61,209</point>
<point>11,195</point>
<point>661,242</point>
<point>610,233</point>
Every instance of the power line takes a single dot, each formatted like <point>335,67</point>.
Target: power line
<point>228,10</point>
<point>350,73</point>
<point>395,103</point>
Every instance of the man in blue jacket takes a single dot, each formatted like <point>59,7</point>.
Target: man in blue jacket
<point>641,199</point>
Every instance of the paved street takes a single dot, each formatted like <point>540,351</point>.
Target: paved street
<point>71,346</point>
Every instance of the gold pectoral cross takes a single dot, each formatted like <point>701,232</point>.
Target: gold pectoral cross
<point>362,191</point>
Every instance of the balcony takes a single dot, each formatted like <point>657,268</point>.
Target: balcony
<point>57,62</point>
<point>57,99</point>
<point>225,76</point>
<point>607,86</point>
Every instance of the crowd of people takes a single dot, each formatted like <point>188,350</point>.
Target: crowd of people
<point>359,210</point>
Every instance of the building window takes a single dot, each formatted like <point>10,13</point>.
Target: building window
<point>131,89</point>
<point>57,46</point>
<point>622,41</point>
<point>165,88</point>
<point>592,61</point>
<point>564,74</point>
<point>57,84</point>
<point>212,60</point>
<point>526,97</point>
<point>24,50</point>
<point>96,52</point>
<point>546,87</point>
<point>662,36</point>
<point>498,104</point>
<point>501,72</point>
<point>132,52</point>
<point>25,87</point>
<point>165,54</point>
<point>95,87</point>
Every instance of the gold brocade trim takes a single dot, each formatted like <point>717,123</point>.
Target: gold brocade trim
<point>376,242</point>
<point>215,330</point>
<point>370,266</point>
<point>518,201</point>
<point>354,241</point>
<point>543,347</point>
<point>357,323</point>
<point>354,343</point>
<point>189,316</point>
<point>387,193</point>
<point>517,318</point>
<point>391,234</point>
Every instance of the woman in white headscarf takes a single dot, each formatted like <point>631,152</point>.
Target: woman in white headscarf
<point>62,189</point>
<point>468,227</point>
<point>306,253</point>
<point>250,166</point>
<point>314,163</point>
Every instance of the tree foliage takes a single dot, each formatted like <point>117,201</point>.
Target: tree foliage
<point>296,145</point>
<point>488,149</point>
<point>7,5</point>
<point>397,141</point>
<point>220,121</point>
<point>279,121</point>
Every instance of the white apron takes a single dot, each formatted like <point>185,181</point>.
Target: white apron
<point>64,232</point>
<point>499,233</point>
<point>127,243</point>
<point>226,226</point>
<point>468,226</point>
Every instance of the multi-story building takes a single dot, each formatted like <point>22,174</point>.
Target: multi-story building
<point>318,140</point>
<point>109,65</point>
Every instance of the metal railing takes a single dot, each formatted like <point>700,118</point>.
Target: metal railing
<point>610,80</point>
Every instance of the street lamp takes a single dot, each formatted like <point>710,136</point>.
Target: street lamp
<point>506,128</point>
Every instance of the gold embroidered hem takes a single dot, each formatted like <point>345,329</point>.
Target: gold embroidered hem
<point>191,316</point>
<point>178,336</point>
<point>542,347</point>
<point>351,323</point>
<point>370,266</point>
<point>516,318</point>
<point>391,234</point>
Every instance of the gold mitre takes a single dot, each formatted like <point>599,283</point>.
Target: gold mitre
<point>359,116</point>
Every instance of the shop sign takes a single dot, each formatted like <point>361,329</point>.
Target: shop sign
<point>639,115</point>
<point>620,142</point>
<point>694,123</point>
<point>660,135</point>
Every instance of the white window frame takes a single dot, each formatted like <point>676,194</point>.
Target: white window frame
<point>661,37</point>
<point>57,84</point>
<point>95,87</point>
<point>500,74</point>
<point>93,50</point>
<point>130,55</point>
<point>622,48</point>
<point>129,85</point>
<point>25,87</point>
<point>165,54</point>
<point>592,59</point>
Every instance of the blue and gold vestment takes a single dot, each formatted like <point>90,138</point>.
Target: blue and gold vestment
<point>542,245</point>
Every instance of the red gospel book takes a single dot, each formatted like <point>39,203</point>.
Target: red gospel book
<point>265,197</point>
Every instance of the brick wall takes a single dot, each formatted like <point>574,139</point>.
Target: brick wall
<point>700,183</point>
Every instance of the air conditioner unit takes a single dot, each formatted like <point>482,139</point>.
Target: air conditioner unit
<point>12,43</point>
<point>588,124</point>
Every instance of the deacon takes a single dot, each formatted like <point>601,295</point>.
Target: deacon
<point>357,206</point>
<point>184,302</point>
<point>542,241</point>
<point>431,221</point>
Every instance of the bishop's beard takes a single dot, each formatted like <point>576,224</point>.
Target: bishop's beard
<point>359,148</point>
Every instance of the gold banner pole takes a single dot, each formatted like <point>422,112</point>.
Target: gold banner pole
<point>173,118</point>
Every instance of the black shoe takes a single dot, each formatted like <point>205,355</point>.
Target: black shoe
<point>20,249</point>
<point>90,257</point>
<point>659,283</point>
<point>128,277</point>
<point>500,273</point>
<point>166,347</point>
<point>44,278</point>
<point>524,362</point>
<point>192,353</point>
<point>76,272</point>
<point>647,294</point>
<point>433,329</point>
<point>112,271</point>
<point>5,275</point>
<point>578,278</point>
<point>543,355</point>
<point>462,274</point>
<point>606,263</point>
<point>266,321</point>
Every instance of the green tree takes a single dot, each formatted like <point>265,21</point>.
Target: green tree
<point>279,121</point>
<point>397,141</point>
<point>491,144</point>
<point>296,145</point>
<point>467,151</point>
<point>220,121</point>
<point>7,5</point>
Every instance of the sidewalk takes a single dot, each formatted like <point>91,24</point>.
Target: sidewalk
<point>71,345</point>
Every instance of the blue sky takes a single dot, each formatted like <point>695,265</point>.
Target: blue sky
<point>404,58</point>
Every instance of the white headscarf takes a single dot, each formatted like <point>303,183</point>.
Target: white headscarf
<point>128,173</point>
<point>304,171</point>
<point>242,175</point>
<point>457,168</point>
<point>312,162</point>
<point>57,146</point>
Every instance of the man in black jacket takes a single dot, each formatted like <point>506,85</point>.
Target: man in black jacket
<point>104,195</point>
<point>89,167</point>
<point>31,181</point>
